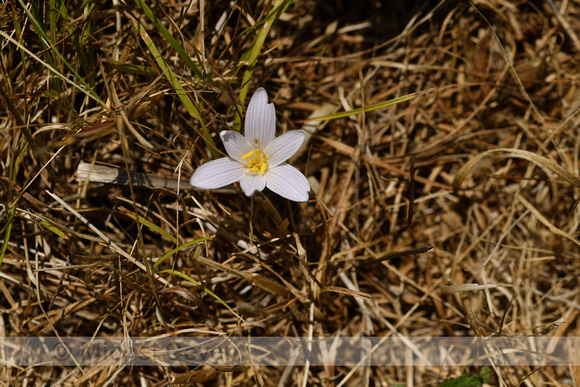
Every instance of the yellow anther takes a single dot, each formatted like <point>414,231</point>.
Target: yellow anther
<point>263,167</point>
<point>248,155</point>
<point>258,162</point>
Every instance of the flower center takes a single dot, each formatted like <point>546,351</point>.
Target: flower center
<point>257,161</point>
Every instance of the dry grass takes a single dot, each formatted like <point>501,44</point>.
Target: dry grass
<point>386,181</point>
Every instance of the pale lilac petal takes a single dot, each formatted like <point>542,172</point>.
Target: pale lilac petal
<point>236,145</point>
<point>283,147</point>
<point>218,173</point>
<point>252,182</point>
<point>260,120</point>
<point>288,182</point>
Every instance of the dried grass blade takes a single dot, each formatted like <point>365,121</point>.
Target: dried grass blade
<point>461,175</point>
<point>348,292</point>
<point>546,222</point>
<point>103,237</point>
<point>471,287</point>
<point>267,285</point>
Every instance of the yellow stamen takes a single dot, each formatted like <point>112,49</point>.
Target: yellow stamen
<point>247,155</point>
<point>258,161</point>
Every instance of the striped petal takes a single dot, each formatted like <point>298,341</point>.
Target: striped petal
<point>260,120</point>
<point>283,147</point>
<point>288,182</point>
<point>218,173</point>
<point>236,145</point>
<point>252,182</point>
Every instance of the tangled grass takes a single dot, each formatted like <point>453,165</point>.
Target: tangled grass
<point>446,205</point>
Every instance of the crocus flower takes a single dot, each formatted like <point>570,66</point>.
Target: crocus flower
<point>257,160</point>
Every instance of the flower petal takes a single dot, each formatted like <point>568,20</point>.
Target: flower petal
<point>288,182</point>
<point>252,182</point>
<point>236,145</point>
<point>218,173</point>
<point>260,120</point>
<point>283,147</point>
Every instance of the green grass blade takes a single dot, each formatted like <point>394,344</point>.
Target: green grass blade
<point>177,249</point>
<point>14,167</point>
<point>82,40</point>
<point>135,69</point>
<point>52,19</point>
<point>366,109</point>
<point>175,84</point>
<point>150,225</point>
<point>53,229</point>
<point>280,7</point>
<point>172,41</point>
<point>7,233</point>
<point>50,65</point>
<point>188,278</point>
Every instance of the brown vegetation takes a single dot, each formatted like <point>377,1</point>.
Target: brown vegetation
<point>401,234</point>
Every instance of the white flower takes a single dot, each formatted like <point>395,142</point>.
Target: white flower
<point>258,159</point>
